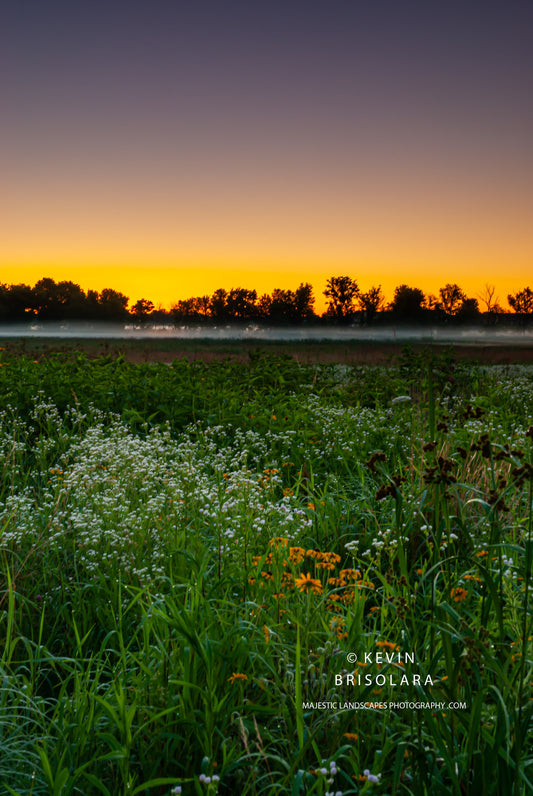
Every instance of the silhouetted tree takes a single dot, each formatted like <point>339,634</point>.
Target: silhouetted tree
<point>451,297</point>
<point>160,315</point>
<point>241,304</point>
<point>16,303</point>
<point>92,305</point>
<point>202,304</point>
<point>263,307</point>
<point>341,292</point>
<point>290,306</point>
<point>281,307</point>
<point>191,310</point>
<point>142,309</point>
<point>57,301</point>
<point>304,302</point>
<point>218,305</point>
<point>371,303</point>
<point>522,301</point>
<point>490,299</point>
<point>468,311</point>
<point>407,302</point>
<point>113,305</point>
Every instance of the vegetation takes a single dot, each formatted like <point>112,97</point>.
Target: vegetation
<point>346,303</point>
<point>196,559</point>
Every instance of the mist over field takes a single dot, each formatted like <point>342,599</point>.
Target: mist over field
<point>253,332</point>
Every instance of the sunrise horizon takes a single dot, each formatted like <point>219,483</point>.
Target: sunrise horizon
<point>167,286</point>
<point>168,153</point>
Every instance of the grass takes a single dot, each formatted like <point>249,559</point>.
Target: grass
<point>265,577</point>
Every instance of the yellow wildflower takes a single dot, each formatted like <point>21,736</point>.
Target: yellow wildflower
<point>237,677</point>
<point>307,583</point>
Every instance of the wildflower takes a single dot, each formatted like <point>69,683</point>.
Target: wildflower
<point>351,736</point>
<point>237,677</point>
<point>401,399</point>
<point>307,583</point>
<point>352,546</point>
<point>387,644</point>
<point>279,541</point>
<point>331,557</point>
<point>369,777</point>
<point>349,574</point>
<point>296,555</point>
<point>176,790</point>
<point>458,594</point>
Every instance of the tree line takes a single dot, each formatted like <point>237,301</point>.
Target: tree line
<point>346,303</point>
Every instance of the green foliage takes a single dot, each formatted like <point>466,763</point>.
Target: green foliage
<point>189,554</point>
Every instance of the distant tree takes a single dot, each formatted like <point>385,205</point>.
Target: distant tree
<point>432,303</point>
<point>304,302</point>
<point>263,307</point>
<point>113,305</point>
<point>522,301</point>
<point>92,305</point>
<point>241,304</point>
<point>57,301</point>
<point>468,311</point>
<point>160,315</point>
<point>489,298</point>
<point>371,303</point>
<point>341,292</point>
<point>407,303</point>
<point>183,311</point>
<point>202,304</point>
<point>291,306</point>
<point>142,309</point>
<point>218,305</point>
<point>281,307</point>
<point>451,297</point>
<point>191,310</point>
<point>16,303</point>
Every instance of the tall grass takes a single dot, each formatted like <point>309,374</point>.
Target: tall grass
<point>191,557</point>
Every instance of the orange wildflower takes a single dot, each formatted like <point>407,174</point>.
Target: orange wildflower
<point>279,541</point>
<point>458,594</point>
<point>387,644</point>
<point>308,584</point>
<point>237,677</point>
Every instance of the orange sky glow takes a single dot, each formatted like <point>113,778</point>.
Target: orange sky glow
<point>168,154</point>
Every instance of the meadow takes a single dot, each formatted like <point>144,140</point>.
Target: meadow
<point>265,577</point>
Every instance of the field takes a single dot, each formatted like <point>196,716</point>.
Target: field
<point>257,575</point>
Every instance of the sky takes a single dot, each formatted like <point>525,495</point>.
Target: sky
<point>167,148</point>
